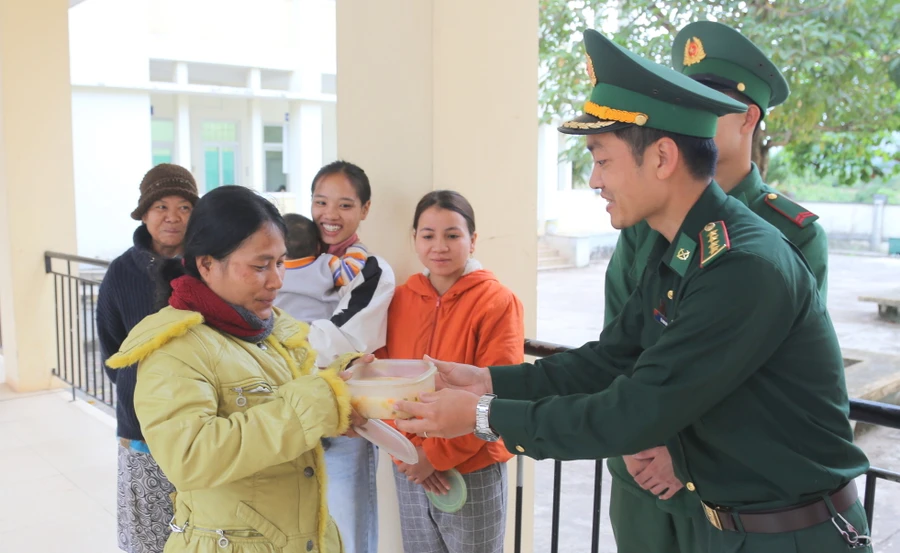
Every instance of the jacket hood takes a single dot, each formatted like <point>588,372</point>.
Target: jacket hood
<point>472,277</point>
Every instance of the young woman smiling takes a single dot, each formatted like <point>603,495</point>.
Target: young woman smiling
<point>458,311</point>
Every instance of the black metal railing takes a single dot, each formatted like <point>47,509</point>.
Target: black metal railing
<point>870,412</point>
<point>79,361</point>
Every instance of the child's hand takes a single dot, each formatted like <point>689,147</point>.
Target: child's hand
<point>418,473</point>
<point>436,484</point>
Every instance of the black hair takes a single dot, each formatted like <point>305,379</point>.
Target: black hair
<point>354,173</point>
<point>220,222</point>
<point>449,200</point>
<point>699,154</point>
<point>302,239</point>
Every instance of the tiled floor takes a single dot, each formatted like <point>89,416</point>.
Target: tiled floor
<point>57,475</point>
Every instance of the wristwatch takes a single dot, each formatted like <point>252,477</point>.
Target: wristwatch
<point>483,428</point>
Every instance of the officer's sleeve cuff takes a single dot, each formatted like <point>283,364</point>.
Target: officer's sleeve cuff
<point>508,381</point>
<point>509,419</point>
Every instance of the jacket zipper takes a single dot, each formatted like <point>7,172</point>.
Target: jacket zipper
<point>437,310</point>
<point>261,388</point>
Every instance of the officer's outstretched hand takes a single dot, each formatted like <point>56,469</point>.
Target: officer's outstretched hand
<point>458,376</point>
<point>445,414</point>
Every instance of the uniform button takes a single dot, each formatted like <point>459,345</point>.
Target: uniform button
<point>772,196</point>
<point>671,294</point>
<point>309,545</point>
<point>690,486</point>
<point>520,449</point>
<point>309,472</point>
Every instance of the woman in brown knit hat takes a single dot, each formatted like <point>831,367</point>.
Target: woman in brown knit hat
<point>127,295</point>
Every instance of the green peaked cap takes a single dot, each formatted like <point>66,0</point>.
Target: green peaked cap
<point>631,90</point>
<point>720,56</point>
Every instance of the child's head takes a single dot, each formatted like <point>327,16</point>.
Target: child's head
<point>341,200</point>
<point>302,238</point>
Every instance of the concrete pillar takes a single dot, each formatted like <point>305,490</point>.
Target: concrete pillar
<point>183,121</point>
<point>435,94</point>
<point>257,156</point>
<point>37,198</point>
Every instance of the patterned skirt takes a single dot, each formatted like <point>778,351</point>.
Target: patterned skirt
<point>144,506</point>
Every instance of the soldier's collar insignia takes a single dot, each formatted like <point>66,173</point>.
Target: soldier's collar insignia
<point>713,242</point>
<point>590,71</point>
<point>681,254</point>
<point>693,51</point>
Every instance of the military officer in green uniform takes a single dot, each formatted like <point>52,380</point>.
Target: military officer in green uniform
<point>724,352</point>
<point>649,509</point>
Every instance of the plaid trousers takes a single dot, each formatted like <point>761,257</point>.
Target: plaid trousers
<point>478,527</point>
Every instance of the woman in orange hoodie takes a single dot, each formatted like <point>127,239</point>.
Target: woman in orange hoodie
<point>455,311</point>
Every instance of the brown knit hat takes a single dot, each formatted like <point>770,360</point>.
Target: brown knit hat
<point>166,179</point>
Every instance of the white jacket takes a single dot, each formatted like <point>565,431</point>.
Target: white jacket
<point>360,321</point>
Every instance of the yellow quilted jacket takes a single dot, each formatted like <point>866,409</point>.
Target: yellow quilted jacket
<point>236,427</point>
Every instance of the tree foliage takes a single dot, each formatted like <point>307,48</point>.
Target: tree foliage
<point>840,57</point>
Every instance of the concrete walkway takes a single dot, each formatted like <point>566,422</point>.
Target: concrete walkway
<point>57,475</point>
<point>570,312</point>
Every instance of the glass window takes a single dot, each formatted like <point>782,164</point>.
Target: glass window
<point>219,131</point>
<point>273,134</point>
<point>162,155</point>
<point>162,130</point>
<point>276,180</point>
<point>219,166</point>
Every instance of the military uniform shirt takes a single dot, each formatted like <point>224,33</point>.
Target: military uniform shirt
<point>725,353</point>
<point>630,259</point>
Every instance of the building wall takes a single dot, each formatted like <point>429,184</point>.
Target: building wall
<point>111,147</point>
<point>221,43</point>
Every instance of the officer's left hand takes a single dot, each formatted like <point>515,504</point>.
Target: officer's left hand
<point>444,414</point>
<point>659,476</point>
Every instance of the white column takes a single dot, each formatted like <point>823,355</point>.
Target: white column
<point>310,153</point>
<point>435,94</point>
<point>183,121</point>
<point>548,175</point>
<point>257,156</point>
<point>37,198</point>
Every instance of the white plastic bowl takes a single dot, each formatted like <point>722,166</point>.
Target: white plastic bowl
<point>377,386</point>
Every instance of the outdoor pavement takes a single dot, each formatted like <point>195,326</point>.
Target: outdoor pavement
<point>570,312</point>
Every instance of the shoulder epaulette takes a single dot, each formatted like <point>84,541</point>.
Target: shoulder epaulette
<point>794,212</point>
<point>714,241</point>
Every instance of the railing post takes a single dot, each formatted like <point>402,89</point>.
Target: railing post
<point>869,501</point>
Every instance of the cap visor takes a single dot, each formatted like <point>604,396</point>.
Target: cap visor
<point>588,124</point>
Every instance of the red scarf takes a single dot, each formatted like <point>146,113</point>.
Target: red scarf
<point>191,294</point>
<point>340,248</point>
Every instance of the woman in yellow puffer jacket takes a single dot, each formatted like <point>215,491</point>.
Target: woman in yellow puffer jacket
<point>226,397</point>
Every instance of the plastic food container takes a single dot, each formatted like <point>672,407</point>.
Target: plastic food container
<point>377,386</point>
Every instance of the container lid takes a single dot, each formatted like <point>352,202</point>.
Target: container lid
<point>455,498</point>
<point>389,439</point>
<point>411,371</point>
